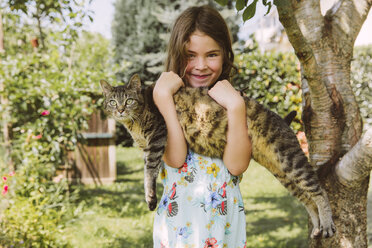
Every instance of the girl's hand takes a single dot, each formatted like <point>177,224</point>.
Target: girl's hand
<point>226,96</point>
<point>167,85</point>
<point>238,149</point>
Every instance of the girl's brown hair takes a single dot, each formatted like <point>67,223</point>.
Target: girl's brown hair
<point>204,19</point>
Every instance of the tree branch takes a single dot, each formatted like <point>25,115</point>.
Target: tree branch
<point>302,49</point>
<point>349,17</point>
<point>317,116</point>
<point>309,19</point>
<point>356,165</point>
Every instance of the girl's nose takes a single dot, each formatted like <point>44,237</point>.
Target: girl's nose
<point>201,64</point>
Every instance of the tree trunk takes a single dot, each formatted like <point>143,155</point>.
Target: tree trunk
<point>333,126</point>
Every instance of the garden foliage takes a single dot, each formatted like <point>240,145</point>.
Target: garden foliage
<point>51,93</point>
<point>272,78</point>
<point>361,82</point>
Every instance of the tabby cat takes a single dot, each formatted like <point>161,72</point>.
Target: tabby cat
<point>204,122</point>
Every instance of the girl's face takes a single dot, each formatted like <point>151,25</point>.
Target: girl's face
<point>204,65</point>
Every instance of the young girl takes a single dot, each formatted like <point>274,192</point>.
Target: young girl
<point>201,205</point>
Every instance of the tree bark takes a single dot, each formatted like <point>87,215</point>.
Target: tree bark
<point>333,126</point>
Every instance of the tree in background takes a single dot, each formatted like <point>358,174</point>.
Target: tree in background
<point>333,124</point>
<point>69,12</point>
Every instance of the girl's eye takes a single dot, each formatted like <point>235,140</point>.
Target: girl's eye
<point>130,101</point>
<point>113,103</point>
<point>213,55</point>
<point>190,56</point>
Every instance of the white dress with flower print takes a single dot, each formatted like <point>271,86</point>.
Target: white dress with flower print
<point>201,206</point>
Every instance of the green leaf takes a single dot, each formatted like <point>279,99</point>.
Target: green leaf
<point>222,2</point>
<point>240,4</point>
<point>250,11</point>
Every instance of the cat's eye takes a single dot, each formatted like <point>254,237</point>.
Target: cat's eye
<point>129,101</point>
<point>113,103</point>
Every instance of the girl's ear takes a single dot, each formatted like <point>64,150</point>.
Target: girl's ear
<point>135,82</point>
<point>106,87</point>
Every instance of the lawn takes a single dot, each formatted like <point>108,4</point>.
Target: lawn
<point>116,215</point>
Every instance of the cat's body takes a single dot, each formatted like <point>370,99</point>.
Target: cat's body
<point>204,122</point>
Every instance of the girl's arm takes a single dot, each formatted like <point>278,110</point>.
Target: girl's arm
<point>238,149</point>
<point>176,148</point>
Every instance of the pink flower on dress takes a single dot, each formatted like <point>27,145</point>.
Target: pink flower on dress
<point>211,243</point>
<point>45,113</point>
<point>5,189</point>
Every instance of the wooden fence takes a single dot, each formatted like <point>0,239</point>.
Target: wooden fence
<point>94,160</point>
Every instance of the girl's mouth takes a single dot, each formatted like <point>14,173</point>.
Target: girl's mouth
<point>200,77</point>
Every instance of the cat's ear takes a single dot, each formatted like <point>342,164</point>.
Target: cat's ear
<point>106,87</point>
<point>135,82</point>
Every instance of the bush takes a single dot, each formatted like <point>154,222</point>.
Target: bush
<point>272,78</point>
<point>361,81</point>
<point>51,95</point>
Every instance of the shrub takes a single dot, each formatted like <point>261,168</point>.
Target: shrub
<point>272,78</point>
<point>361,81</point>
<point>51,95</point>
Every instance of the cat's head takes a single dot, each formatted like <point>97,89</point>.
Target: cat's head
<point>125,102</point>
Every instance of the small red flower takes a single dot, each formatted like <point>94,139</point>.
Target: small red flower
<point>45,113</point>
<point>211,243</point>
<point>5,178</point>
<point>37,136</point>
<point>5,189</point>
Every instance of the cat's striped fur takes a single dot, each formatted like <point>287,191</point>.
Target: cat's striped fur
<point>204,122</point>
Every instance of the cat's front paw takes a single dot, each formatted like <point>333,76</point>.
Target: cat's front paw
<point>151,202</point>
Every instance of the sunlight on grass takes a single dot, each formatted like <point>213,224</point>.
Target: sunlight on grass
<point>274,218</point>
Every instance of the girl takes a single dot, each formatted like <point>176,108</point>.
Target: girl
<point>201,205</point>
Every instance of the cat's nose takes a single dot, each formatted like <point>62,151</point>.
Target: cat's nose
<point>120,111</point>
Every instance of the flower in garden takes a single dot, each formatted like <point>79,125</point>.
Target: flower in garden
<point>37,136</point>
<point>211,243</point>
<point>5,189</point>
<point>4,179</point>
<point>45,113</point>
<point>11,173</point>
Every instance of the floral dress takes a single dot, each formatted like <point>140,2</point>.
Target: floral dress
<point>201,206</point>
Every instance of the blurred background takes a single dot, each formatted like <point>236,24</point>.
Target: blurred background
<point>70,177</point>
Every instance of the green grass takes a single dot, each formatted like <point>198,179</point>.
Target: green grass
<point>116,215</point>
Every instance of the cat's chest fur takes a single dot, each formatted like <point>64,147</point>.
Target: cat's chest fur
<point>137,133</point>
<point>203,121</point>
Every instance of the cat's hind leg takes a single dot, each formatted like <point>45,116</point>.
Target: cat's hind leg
<point>306,181</point>
<point>304,199</point>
